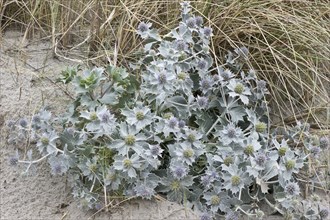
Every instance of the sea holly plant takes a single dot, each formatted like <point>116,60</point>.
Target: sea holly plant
<point>187,129</point>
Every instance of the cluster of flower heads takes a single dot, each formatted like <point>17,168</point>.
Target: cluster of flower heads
<point>193,132</point>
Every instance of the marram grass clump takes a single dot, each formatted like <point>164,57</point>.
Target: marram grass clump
<point>185,128</point>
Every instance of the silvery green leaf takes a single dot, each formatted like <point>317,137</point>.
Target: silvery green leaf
<point>181,104</point>
<point>186,8</point>
<point>188,180</point>
<point>178,100</point>
<point>154,35</point>
<point>45,115</point>
<point>93,126</point>
<point>119,146</point>
<point>214,103</point>
<point>109,99</point>
<point>175,196</point>
<point>71,139</point>
<point>263,185</point>
<point>252,172</point>
<point>87,101</point>
<point>51,149</point>
<point>205,121</point>
<point>244,99</point>
<point>272,170</point>
<point>237,114</point>
<point>148,46</point>
<point>132,173</point>
<point>273,155</point>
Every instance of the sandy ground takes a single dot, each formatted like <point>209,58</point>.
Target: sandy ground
<point>26,83</point>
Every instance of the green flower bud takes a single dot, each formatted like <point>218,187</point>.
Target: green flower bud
<point>168,115</point>
<point>111,177</point>
<point>235,180</point>
<point>44,140</point>
<point>261,127</point>
<point>239,88</point>
<point>127,163</point>
<point>228,160</point>
<point>182,76</point>
<point>139,116</point>
<point>290,164</point>
<point>93,116</point>
<point>191,138</point>
<point>215,200</point>
<point>182,56</point>
<point>249,150</point>
<point>188,153</point>
<point>282,151</point>
<point>130,139</point>
<point>175,185</point>
<point>93,168</point>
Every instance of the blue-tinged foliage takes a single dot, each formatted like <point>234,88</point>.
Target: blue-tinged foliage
<point>188,129</point>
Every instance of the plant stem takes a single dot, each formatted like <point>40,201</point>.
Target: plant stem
<point>214,124</point>
<point>272,182</point>
<point>93,185</point>
<point>273,206</point>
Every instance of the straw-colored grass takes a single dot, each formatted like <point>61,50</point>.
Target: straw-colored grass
<point>289,40</point>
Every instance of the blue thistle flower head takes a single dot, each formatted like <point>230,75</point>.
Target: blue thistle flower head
<point>261,85</point>
<point>205,216</point>
<point>315,151</point>
<point>105,117</point>
<point>206,180</point>
<point>156,150</point>
<point>143,27</point>
<point>13,160</point>
<point>185,7</point>
<point>23,122</point>
<point>199,21</point>
<point>292,189</point>
<point>36,119</point>
<point>232,215</point>
<point>180,45</point>
<point>11,124</point>
<point>205,84</point>
<point>173,122</point>
<point>191,22</point>
<point>162,78</point>
<point>181,124</point>
<point>242,52</point>
<point>98,206</point>
<point>231,132</point>
<point>202,101</point>
<point>207,31</point>
<point>216,77</point>
<point>202,64</point>
<point>261,159</point>
<point>226,74</point>
<point>179,171</point>
<point>260,214</point>
<point>324,142</point>
<point>57,169</point>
